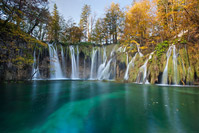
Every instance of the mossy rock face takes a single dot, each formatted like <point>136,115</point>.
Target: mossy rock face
<point>154,69</point>
<point>133,72</point>
<point>190,76</point>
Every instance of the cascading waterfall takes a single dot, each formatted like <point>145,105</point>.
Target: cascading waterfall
<point>143,70</point>
<point>103,65</point>
<point>127,62</point>
<point>104,71</point>
<point>93,63</point>
<point>74,74</point>
<point>126,76</point>
<point>35,68</point>
<point>165,73</point>
<point>55,70</point>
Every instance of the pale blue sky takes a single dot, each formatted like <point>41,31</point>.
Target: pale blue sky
<point>73,8</point>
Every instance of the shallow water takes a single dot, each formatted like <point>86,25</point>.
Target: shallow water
<point>94,106</point>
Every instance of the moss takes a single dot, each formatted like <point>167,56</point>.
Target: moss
<point>154,69</point>
<point>133,73</point>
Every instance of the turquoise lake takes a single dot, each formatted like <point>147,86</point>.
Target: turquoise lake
<point>97,107</point>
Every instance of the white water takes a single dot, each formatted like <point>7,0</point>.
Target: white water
<point>165,73</point>
<point>93,63</point>
<point>103,65</point>
<point>55,67</point>
<point>143,70</point>
<point>35,68</point>
<point>104,70</point>
<point>74,74</point>
<point>126,76</point>
<point>105,74</point>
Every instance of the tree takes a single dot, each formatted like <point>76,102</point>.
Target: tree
<point>114,20</point>
<point>24,13</point>
<point>98,31</point>
<point>54,26</point>
<point>138,22</point>
<point>84,21</point>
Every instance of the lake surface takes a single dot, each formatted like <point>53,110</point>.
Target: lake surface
<point>97,107</point>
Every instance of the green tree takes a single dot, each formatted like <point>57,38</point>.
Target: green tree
<point>98,31</point>
<point>84,21</point>
<point>54,26</point>
<point>114,21</point>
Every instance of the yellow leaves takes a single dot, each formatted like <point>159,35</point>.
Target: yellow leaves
<point>138,20</point>
<point>143,47</point>
<point>133,41</point>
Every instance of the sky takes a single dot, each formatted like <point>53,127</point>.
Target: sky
<point>73,8</point>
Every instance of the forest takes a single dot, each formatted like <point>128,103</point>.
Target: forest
<point>150,25</point>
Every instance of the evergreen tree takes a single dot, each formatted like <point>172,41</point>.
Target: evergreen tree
<point>84,21</point>
<point>54,26</point>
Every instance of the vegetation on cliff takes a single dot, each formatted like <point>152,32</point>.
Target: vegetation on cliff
<point>150,25</point>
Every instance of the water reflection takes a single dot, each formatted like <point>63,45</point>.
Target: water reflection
<point>67,106</point>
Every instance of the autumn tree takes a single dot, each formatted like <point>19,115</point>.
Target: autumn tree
<point>138,22</point>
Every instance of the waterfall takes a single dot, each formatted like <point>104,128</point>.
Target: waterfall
<point>112,52</point>
<point>63,60</point>
<point>126,76</point>
<point>55,70</point>
<point>103,65</point>
<point>104,70</point>
<point>119,49</point>
<point>138,47</point>
<point>165,73</point>
<point>93,63</point>
<point>74,74</point>
<point>105,74</point>
<point>35,68</point>
<point>175,65</point>
<point>124,50</point>
<point>143,70</point>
